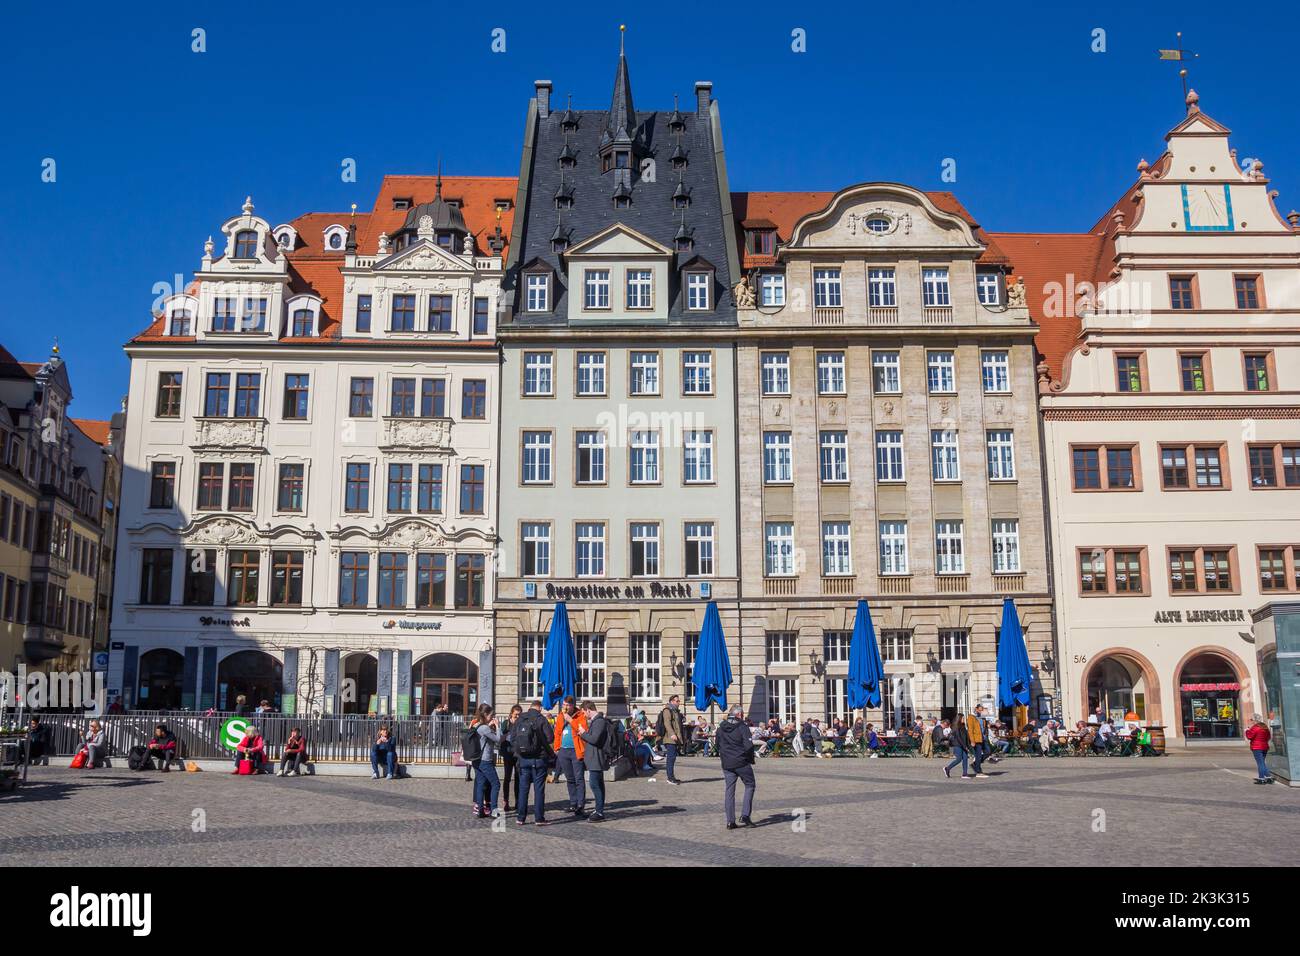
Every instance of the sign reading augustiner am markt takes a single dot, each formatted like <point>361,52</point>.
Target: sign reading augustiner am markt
<point>1213,616</point>
<point>613,592</point>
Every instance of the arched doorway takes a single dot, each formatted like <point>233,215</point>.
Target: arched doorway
<point>1210,695</point>
<point>1118,686</point>
<point>361,687</point>
<point>162,678</point>
<point>255,674</point>
<point>445,679</point>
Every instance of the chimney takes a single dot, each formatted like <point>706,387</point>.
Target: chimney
<point>543,98</point>
<point>703,93</point>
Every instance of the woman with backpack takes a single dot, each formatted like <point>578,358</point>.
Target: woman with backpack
<point>485,738</point>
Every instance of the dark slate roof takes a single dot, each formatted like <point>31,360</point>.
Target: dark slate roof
<point>651,213</point>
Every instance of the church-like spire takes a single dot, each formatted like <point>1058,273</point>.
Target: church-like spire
<point>621,123</point>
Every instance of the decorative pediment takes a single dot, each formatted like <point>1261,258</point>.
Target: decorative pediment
<point>423,256</point>
<point>420,434</point>
<point>411,534</point>
<point>220,531</point>
<point>618,240</point>
<point>889,214</point>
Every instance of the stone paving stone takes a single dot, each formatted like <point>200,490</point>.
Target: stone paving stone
<point>1196,808</point>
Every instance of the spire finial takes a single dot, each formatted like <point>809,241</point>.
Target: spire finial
<point>438,187</point>
<point>354,210</point>
<point>622,31</point>
<point>55,349</point>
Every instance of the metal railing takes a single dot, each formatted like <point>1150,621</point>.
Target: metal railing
<point>346,738</point>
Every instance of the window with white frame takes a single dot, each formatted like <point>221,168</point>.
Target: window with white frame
<point>897,709</point>
<point>995,369</point>
<point>591,373</point>
<point>538,373</point>
<point>537,458</point>
<point>782,647</point>
<point>889,456</point>
<point>783,699</point>
<point>934,288</point>
<point>771,288</point>
<point>941,371</point>
<point>640,285</point>
<point>590,552</point>
<point>1006,546</point>
<point>949,548</point>
<point>643,457</point>
<point>538,293</point>
<point>893,547</point>
<point>830,373</point>
<point>834,456</point>
<point>776,373</point>
<point>697,291</point>
<point>826,289</point>
<point>896,646</point>
<point>699,548</point>
<point>697,373</point>
<point>645,549</point>
<point>886,376</point>
<point>532,649</point>
<point>692,649</point>
<point>1001,454</point>
<point>779,551</point>
<point>882,291</point>
<point>945,463</point>
<point>836,549</point>
<point>777,461</point>
<point>697,456</point>
<point>835,646</point>
<point>986,287</point>
<point>645,667</point>
<point>590,651</point>
<point>591,458</point>
<point>535,549</point>
<point>954,644</point>
<point>837,700</point>
<point>595,285</point>
<point>643,370</point>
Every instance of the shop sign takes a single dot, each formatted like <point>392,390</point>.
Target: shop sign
<point>1213,616</point>
<point>1227,685</point>
<point>225,622</point>
<point>413,625</point>
<point>613,592</point>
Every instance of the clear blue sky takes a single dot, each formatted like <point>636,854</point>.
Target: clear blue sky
<point>156,145</point>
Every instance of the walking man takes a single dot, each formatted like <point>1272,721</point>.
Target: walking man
<point>736,748</point>
<point>569,727</point>
<point>599,742</point>
<point>975,734</point>
<point>532,743</point>
<point>671,730</point>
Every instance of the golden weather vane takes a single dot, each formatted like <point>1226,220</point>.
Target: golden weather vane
<point>1182,56</point>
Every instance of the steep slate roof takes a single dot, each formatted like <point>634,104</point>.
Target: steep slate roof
<point>651,213</point>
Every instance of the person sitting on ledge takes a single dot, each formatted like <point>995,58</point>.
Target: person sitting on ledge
<point>294,754</point>
<point>162,748</point>
<point>252,747</point>
<point>385,749</point>
<point>95,746</point>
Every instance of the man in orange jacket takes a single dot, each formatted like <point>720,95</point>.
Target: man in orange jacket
<point>976,729</point>
<point>570,725</point>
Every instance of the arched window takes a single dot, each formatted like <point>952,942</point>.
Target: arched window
<point>246,244</point>
<point>303,323</point>
<point>181,322</point>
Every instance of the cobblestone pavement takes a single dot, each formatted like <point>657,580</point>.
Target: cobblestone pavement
<point>1195,808</point>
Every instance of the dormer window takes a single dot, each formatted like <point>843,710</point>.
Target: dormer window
<point>447,240</point>
<point>622,202</point>
<point>246,244</point>
<point>678,158</point>
<point>761,242</point>
<point>987,287</point>
<point>567,162</point>
<point>697,291</point>
<point>622,159</point>
<point>502,205</point>
<point>685,243</point>
<point>303,323</point>
<point>559,244</point>
<point>563,202</point>
<point>402,202</point>
<point>537,289</point>
<point>681,196</point>
<point>335,237</point>
<point>335,241</point>
<point>181,323</point>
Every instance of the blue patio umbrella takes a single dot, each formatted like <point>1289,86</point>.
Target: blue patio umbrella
<point>866,670</point>
<point>1014,674</point>
<point>559,664</point>
<point>711,671</point>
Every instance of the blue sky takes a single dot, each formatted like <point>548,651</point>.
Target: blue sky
<point>157,145</point>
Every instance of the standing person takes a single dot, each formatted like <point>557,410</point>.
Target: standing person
<point>1259,736</point>
<point>598,747</point>
<point>487,785</point>
<point>532,743</point>
<point>977,736</point>
<point>959,738</point>
<point>569,751</point>
<point>241,706</point>
<point>735,747</point>
<point>927,741</point>
<point>508,758</point>
<point>671,730</point>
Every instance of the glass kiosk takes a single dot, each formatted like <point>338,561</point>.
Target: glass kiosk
<point>1276,628</point>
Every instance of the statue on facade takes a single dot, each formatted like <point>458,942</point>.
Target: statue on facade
<point>743,294</point>
<point>1016,294</point>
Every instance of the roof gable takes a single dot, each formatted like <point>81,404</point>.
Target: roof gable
<point>618,239</point>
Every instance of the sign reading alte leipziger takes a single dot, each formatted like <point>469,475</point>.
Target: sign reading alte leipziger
<point>612,592</point>
<point>1215,616</point>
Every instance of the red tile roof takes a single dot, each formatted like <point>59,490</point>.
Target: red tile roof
<point>98,432</point>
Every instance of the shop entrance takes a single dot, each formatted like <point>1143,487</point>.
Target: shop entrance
<point>162,674</point>
<point>1210,694</point>
<point>445,679</point>
<point>1116,685</point>
<point>361,687</point>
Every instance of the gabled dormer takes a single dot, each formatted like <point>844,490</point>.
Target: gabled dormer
<point>618,274</point>
<point>241,292</point>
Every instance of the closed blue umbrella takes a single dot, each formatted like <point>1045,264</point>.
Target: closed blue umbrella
<point>866,670</point>
<point>1014,674</point>
<point>559,665</point>
<point>711,670</point>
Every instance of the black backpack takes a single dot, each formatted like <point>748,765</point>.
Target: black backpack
<point>611,743</point>
<point>138,757</point>
<point>471,744</point>
<point>528,740</point>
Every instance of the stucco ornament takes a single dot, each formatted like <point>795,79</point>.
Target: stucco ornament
<point>411,535</point>
<point>425,433</point>
<point>223,531</point>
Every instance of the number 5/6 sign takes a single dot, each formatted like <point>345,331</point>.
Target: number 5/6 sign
<point>233,731</point>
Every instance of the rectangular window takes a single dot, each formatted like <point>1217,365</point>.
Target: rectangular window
<point>1128,372</point>
<point>835,646</point>
<point>169,394</point>
<point>596,289</point>
<point>1279,568</point>
<point>779,551</point>
<point>590,649</point>
<point>199,588</point>
<point>893,547</point>
<point>783,699</point>
<point>1209,469</point>
<point>886,373</point>
<point>470,575</point>
<point>363,313</point>
<point>1247,291</point>
<point>889,456</point>
<point>949,548</point>
<point>699,549</point>
<point>934,288</point>
<point>216,395</point>
<point>834,456</point>
<point>538,293</point>
<point>775,373</point>
<point>440,319</point>
<point>645,550</point>
<point>162,485</point>
<point>537,458</point>
<point>361,398</point>
<point>986,288</point>
<point>590,551</point>
<point>643,457</point>
<point>1173,468</point>
<point>296,393</point>
<point>532,650</point>
<point>645,667</point>
<point>591,458</point>
<point>640,284</point>
<point>286,578</point>
<point>697,373</point>
<point>212,479</point>
<point>643,369</point>
<point>591,373</point>
<point>402,316</point>
<point>471,489</point>
<point>354,579</point>
<point>428,489</point>
<point>1192,372</point>
<point>535,549</point>
<point>830,373</point>
<point>356,495</point>
<point>290,492</point>
<point>400,487</point>
<point>538,374</point>
<point>480,316</point>
<point>248,394</point>
<point>945,463</point>
<point>433,398</point>
<point>697,291</point>
<point>826,289</point>
<point>954,644</point>
<point>224,312</point>
<point>253,317</point>
<point>242,571</point>
<point>473,399</point>
<point>837,553</point>
<point>777,460</point>
<point>995,368</point>
<point>697,457</point>
<point>896,646</point>
<point>1181,294</point>
<point>402,403</point>
<point>392,579</point>
<point>941,374</point>
<point>1006,546</point>
<point>882,290</point>
<point>240,496</point>
<point>1256,367</point>
<point>782,647</point>
<point>430,579</point>
<point>1087,468</point>
<point>1001,455</point>
<point>772,289</point>
<point>1119,468</point>
<point>156,576</point>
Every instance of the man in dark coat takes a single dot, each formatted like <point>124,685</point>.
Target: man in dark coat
<point>736,748</point>
<point>599,729</point>
<point>531,740</point>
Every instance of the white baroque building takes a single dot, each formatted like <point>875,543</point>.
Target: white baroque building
<point>309,505</point>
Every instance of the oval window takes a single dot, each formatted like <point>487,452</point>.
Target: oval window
<point>878,224</point>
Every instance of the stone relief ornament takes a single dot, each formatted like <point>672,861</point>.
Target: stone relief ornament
<point>999,407</point>
<point>230,433</point>
<point>888,406</point>
<point>744,295</point>
<point>223,531</point>
<point>944,406</point>
<point>896,221</point>
<point>410,535</point>
<point>419,433</point>
<point>1016,293</point>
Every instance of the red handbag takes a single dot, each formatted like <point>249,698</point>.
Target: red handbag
<point>245,768</point>
<point>79,760</point>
